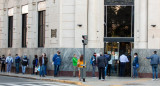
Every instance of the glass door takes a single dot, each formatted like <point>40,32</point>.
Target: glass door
<point>112,48</point>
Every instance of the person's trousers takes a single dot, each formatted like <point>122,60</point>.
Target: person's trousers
<point>23,69</point>
<point>42,70</point>
<point>93,71</point>
<point>135,73</point>
<point>101,72</point>
<point>45,69</point>
<point>3,68</point>
<point>109,70</point>
<point>34,69</point>
<point>56,70</point>
<point>83,72</point>
<point>74,72</point>
<point>9,67</point>
<point>17,67</point>
<point>155,70</point>
<point>122,68</point>
<point>106,70</point>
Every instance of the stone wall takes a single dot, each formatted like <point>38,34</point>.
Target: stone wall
<point>66,55</point>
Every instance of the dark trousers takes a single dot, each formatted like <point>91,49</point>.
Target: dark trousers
<point>56,70</point>
<point>17,67</point>
<point>122,68</point>
<point>3,68</point>
<point>101,72</point>
<point>34,69</point>
<point>109,70</point>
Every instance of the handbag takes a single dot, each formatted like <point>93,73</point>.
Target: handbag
<point>137,65</point>
<point>36,69</point>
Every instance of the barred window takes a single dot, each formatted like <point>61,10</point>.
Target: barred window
<point>10,31</point>
<point>41,28</point>
<point>24,30</point>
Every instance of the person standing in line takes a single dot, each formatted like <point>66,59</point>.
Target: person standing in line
<point>101,61</point>
<point>42,62</point>
<point>24,64</point>
<point>75,61</point>
<point>45,65</point>
<point>154,63</point>
<point>108,58</point>
<point>93,63</point>
<point>135,62</point>
<point>9,62</point>
<point>80,67</point>
<point>35,64</point>
<point>57,62</point>
<point>17,61</point>
<point>123,61</point>
<point>3,59</point>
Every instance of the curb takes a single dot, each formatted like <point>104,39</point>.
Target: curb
<point>52,80</point>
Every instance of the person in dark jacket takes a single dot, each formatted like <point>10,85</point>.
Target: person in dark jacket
<point>3,59</point>
<point>101,61</point>
<point>154,63</point>
<point>108,58</point>
<point>35,63</point>
<point>42,62</point>
<point>45,66</point>
<point>93,62</point>
<point>24,64</point>
<point>17,61</point>
<point>135,62</point>
<point>57,62</point>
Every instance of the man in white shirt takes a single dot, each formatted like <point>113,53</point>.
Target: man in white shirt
<point>123,61</point>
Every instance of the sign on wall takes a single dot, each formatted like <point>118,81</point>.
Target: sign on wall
<point>118,2</point>
<point>53,33</point>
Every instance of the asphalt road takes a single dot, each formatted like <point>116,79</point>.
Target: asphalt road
<point>13,81</point>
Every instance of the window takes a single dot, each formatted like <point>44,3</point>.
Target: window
<point>24,30</point>
<point>41,28</point>
<point>10,31</point>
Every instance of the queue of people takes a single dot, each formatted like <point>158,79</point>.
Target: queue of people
<point>99,60</point>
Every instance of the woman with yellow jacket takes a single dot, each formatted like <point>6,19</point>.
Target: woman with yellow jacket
<point>80,67</point>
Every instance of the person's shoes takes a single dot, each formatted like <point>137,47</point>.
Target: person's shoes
<point>102,79</point>
<point>79,79</point>
<point>156,79</point>
<point>153,79</point>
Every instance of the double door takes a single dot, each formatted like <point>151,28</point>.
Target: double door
<point>116,49</point>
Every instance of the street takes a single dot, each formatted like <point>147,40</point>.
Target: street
<point>13,81</point>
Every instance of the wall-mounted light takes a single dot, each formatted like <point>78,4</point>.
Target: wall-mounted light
<point>33,3</point>
<point>153,25</point>
<point>80,25</point>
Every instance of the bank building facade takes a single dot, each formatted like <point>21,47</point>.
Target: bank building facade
<point>114,26</point>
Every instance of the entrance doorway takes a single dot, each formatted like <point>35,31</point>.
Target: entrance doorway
<point>116,49</point>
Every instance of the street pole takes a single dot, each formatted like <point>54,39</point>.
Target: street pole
<point>84,73</point>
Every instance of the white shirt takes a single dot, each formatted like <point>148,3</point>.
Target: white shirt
<point>123,58</point>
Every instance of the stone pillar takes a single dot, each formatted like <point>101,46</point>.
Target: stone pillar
<point>92,24</point>
<point>141,24</point>
<point>1,20</point>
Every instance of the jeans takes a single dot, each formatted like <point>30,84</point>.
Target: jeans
<point>56,70</point>
<point>23,69</point>
<point>42,70</point>
<point>17,67</point>
<point>122,68</point>
<point>106,70</point>
<point>101,72</point>
<point>9,65</point>
<point>135,73</point>
<point>45,69</point>
<point>93,71</point>
<point>155,70</point>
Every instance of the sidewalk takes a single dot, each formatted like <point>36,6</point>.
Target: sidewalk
<point>110,81</point>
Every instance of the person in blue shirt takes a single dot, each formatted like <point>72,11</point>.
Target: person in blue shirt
<point>9,62</point>
<point>17,61</point>
<point>154,63</point>
<point>93,63</point>
<point>135,62</point>
<point>57,62</point>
